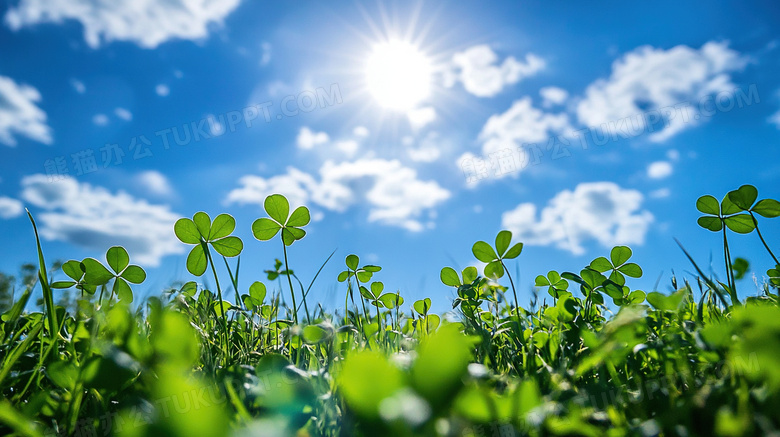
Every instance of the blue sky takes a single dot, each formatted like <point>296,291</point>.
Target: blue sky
<point>594,125</point>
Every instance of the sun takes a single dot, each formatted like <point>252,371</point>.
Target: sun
<point>398,75</point>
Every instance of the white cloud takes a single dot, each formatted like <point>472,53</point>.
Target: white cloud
<point>673,154</point>
<point>96,219</point>
<point>10,208</point>
<point>307,138</point>
<point>155,183</point>
<point>349,147</point>
<point>100,119</point>
<point>650,79</point>
<point>393,193</point>
<point>660,193</point>
<point>123,113</point>
<point>20,114</point>
<point>553,95</point>
<point>659,169</point>
<point>360,132</point>
<point>162,90</point>
<point>775,119</point>
<point>421,117</point>
<point>600,211</point>
<point>477,68</point>
<point>428,150</point>
<point>521,124</point>
<point>147,23</point>
<point>78,86</point>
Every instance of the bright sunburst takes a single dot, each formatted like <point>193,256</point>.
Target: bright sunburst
<point>398,75</point>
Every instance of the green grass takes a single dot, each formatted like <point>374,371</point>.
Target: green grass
<point>602,359</point>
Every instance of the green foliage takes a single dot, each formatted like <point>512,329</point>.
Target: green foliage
<point>681,362</point>
<point>201,232</point>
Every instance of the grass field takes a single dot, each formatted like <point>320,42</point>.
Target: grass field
<point>602,359</point>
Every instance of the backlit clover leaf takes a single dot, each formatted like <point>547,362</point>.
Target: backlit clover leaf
<point>618,264</point>
<point>96,274</point>
<point>467,288</point>
<point>374,294</point>
<point>256,296</point>
<point>430,321</point>
<point>363,274</point>
<point>494,258</point>
<point>774,276</point>
<point>736,210</point>
<point>745,199</point>
<point>277,271</point>
<point>201,232</point>
<point>74,271</point>
<point>554,283</point>
<point>278,209</point>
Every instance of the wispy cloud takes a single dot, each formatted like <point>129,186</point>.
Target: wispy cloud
<point>94,218</point>
<point>147,23</point>
<point>20,114</point>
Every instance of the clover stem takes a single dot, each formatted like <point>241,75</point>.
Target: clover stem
<point>219,293</point>
<point>352,297</point>
<point>292,291</point>
<point>755,222</point>
<point>346,302</point>
<point>514,292</point>
<point>378,322</point>
<point>729,272</point>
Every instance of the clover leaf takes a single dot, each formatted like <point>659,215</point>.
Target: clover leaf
<point>201,232</point>
<point>74,271</point>
<point>730,212</point>
<point>363,274</point>
<point>618,264</point>
<point>554,283</point>
<point>96,274</point>
<point>279,219</point>
<point>494,257</point>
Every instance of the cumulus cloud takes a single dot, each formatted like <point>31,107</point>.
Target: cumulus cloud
<point>147,23</point>
<point>552,96</point>
<point>421,117</point>
<point>96,219</point>
<point>307,138</point>
<point>394,194</point>
<point>20,114</point>
<point>481,74</point>
<point>155,183</point>
<point>521,124</point>
<point>659,169</point>
<point>10,208</point>
<point>649,78</point>
<point>597,211</point>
